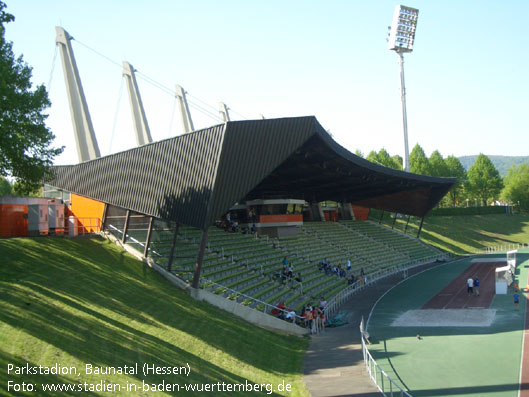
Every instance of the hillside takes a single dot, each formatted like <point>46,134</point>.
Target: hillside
<point>502,163</point>
<point>463,235</point>
<point>67,303</point>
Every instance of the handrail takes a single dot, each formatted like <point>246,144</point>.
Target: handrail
<point>239,294</point>
<point>331,308</point>
<point>374,370</point>
<point>507,247</point>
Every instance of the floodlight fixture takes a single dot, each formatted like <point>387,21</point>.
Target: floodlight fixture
<point>401,38</point>
<point>402,30</point>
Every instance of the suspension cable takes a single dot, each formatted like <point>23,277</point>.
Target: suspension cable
<point>172,118</point>
<point>100,54</point>
<point>114,124</point>
<point>52,69</point>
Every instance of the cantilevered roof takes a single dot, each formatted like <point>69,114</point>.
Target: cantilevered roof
<point>195,178</point>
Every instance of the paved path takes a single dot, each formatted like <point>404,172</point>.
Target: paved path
<point>334,365</point>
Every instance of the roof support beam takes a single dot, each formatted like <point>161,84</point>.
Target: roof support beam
<point>187,123</point>
<point>143,134</point>
<point>171,254</point>
<point>200,258</point>
<point>223,110</point>
<point>85,139</point>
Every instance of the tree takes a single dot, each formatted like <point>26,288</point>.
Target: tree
<point>516,188</point>
<point>383,158</point>
<point>419,163</point>
<point>456,170</point>
<point>484,180</point>
<point>359,153</point>
<point>438,165</point>
<point>5,187</point>
<point>25,144</point>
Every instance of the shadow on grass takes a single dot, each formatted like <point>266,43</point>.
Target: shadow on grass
<point>110,310</point>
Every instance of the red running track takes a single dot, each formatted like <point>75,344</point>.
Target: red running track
<point>455,296</point>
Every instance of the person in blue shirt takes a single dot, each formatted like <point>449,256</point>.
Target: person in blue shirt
<point>476,286</point>
<point>516,300</point>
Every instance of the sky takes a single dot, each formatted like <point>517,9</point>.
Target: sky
<point>467,83</point>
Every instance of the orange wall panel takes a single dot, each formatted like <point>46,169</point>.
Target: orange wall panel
<point>13,220</point>
<point>88,212</point>
<point>361,213</point>
<point>280,218</point>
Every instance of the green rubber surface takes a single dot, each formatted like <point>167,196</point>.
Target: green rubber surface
<point>450,361</point>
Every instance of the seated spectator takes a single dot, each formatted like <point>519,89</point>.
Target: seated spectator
<point>291,315</point>
<point>298,278</point>
<point>327,270</point>
<point>342,273</point>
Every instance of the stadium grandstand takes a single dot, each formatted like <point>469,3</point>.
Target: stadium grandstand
<point>220,208</point>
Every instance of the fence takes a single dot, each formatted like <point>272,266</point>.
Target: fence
<point>505,248</point>
<point>383,382</point>
<point>332,306</point>
<point>234,295</point>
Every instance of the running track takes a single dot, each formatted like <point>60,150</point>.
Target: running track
<point>455,296</point>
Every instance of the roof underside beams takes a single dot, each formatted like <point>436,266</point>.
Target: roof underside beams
<point>316,172</point>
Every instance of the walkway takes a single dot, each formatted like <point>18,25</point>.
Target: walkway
<point>334,365</point>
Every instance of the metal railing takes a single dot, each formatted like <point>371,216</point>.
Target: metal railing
<point>266,307</point>
<point>505,248</point>
<point>383,382</point>
<point>332,306</point>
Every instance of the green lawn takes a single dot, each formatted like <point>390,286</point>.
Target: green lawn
<point>463,235</point>
<point>84,301</point>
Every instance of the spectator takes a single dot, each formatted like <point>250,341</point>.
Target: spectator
<point>291,315</point>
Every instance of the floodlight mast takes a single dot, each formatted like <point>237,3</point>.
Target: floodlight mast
<point>401,38</point>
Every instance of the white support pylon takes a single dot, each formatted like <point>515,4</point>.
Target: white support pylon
<point>223,110</point>
<point>187,123</point>
<point>85,139</point>
<point>143,134</point>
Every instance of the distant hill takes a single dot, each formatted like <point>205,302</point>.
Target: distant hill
<point>502,163</point>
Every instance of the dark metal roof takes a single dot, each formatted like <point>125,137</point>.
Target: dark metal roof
<point>195,178</point>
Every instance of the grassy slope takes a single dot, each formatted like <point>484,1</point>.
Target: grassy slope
<point>82,301</point>
<point>470,234</point>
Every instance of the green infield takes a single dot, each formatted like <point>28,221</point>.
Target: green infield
<point>79,314</point>
<point>456,360</point>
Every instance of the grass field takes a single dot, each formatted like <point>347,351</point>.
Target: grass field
<point>83,301</point>
<point>449,361</point>
<point>464,235</point>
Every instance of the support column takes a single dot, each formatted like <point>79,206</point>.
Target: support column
<point>148,241</point>
<point>143,133</point>
<point>85,139</point>
<point>200,258</point>
<point>187,123</point>
<point>125,227</point>
<point>406,228</point>
<point>420,228</point>
<point>171,254</point>
<point>223,110</point>
<point>104,220</point>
